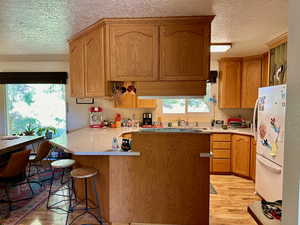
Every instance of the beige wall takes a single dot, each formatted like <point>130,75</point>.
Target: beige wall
<point>77,115</point>
<point>292,140</point>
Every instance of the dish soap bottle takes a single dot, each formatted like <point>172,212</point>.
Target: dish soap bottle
<point>115,144</point>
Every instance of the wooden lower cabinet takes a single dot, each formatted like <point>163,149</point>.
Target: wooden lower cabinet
<point>221,166</point>
<point>241,148</point>
<point>253,159</point>
<point>221,148</point>
<point>233,154</point>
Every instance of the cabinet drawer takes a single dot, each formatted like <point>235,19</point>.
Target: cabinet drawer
<point>220,153</point>
<point>221,165</point>
<point>221,137</point>
<point>221,145</point>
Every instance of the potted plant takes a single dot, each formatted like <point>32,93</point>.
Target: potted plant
<point>48,132</point>
<point>29,130</point>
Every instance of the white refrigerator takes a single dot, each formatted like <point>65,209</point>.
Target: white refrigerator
<point>269,121</point>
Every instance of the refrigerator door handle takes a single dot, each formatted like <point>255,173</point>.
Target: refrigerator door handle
<point>254,120</point>
<point>271,166</point>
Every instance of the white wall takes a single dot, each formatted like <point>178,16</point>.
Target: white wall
<point>292,138</point>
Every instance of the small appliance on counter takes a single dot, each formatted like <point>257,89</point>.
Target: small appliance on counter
<point>96,117</point>
<point>235,122</point>
<point>147,119</point>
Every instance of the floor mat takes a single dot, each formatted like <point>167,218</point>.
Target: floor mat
<point>23,208</point>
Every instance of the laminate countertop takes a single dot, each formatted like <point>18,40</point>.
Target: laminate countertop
<point>7,144</point>
<point>98,141</point>
<point>92,141</point>
<point>242,131</point>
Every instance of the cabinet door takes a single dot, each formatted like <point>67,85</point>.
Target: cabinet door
<point>265,70</point>
<point>133,52</point>
<point>127,100</point>
<point>145,103</point>
<point>184,52</point>
<point>94,63</point>
<point>251,81</point>
<point>230,83</point>
<point>253,159</point>
<point>76,68</point>
<point>241,155</point>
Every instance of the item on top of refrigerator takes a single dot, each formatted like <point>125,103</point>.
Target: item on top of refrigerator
<point>96,117</point>
<point>235,122</point>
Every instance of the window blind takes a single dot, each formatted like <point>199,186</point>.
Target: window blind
<point>33,77</point>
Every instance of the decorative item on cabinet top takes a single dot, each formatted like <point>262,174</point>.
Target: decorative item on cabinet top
<point>278,61</point>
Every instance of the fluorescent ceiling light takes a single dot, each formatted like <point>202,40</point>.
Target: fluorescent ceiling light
<point>220,47</point>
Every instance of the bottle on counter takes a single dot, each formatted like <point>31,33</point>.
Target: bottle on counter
<point>118,120</point>
<point>115,144</point>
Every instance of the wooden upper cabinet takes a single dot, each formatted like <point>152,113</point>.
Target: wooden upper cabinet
<point>145,103</point>
<point>253,159</point>
<point>76,68</point>
<point>94,63</point>
<point>133,52</point>
<point>127,100</point>
<point>265,70</point>
<point>240,150</point>
<point>251,80</point>
<point>184,51</point>
<point>230,83</point>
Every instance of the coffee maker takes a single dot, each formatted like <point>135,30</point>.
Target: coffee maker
<point>147,119</point>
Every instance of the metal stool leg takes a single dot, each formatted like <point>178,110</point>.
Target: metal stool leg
<point>97,199</point>
<point>50,189</point>
<point>8,198</point>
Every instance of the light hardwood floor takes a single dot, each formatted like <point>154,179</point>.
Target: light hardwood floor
<point>228,207</point>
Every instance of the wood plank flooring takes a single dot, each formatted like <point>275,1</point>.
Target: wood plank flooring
<point>228,207</point>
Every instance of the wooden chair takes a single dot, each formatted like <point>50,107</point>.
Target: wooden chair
<point>36,159</point>
<point>14,173</point>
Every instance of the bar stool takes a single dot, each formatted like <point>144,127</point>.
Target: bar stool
<point>85,174</point>
<point>63,164</point>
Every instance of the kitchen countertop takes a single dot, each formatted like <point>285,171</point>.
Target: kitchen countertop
<point>93,141</point>
<point>243,131</point>
<point>19,142</point>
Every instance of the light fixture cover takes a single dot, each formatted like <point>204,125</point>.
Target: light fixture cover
<point>220,47</point>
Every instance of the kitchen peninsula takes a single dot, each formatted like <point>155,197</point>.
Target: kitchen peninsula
<point>163,181</point>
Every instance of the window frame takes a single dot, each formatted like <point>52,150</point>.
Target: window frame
<point>186,108</point>
<point>6,112</point>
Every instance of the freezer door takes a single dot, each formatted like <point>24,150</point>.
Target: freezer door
<point>268,179</point>
<point>271,123</point>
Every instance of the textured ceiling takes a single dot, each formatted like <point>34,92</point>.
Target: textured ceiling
<point>30,27</point>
